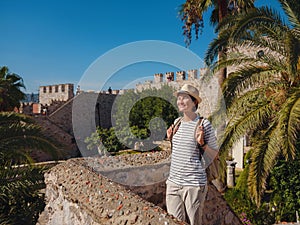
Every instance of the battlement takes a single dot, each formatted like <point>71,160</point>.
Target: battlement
<point>192,74</point>
<point>176,81</point>
<point>169,76</point>
<point>58,92</point>
<point>158,77</point>
<point>180,75</point>
<point>63,92</point>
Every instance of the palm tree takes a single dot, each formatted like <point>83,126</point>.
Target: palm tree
<point>10,90</point>
<point>192,11</point>
<point>20,199</point>
<point>262,94</point>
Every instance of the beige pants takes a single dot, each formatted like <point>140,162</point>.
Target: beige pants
<point>186,202</point>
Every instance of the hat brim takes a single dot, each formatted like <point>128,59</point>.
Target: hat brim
<point>186,92</point>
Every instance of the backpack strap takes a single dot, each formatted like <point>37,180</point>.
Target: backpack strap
<point>177,123</point>
<point>176,126</point>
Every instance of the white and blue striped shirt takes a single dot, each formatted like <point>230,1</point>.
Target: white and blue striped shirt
<point>186,167</point>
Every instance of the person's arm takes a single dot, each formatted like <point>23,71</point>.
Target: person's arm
<point>210,151</point>
<point>173,128</point>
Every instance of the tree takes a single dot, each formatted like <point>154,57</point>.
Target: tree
<point>285,199</point>
<point>262,94</point>
<point>134,116</point>
<point>192,11</point>
<point>20,199</point>
<point>10,90</point>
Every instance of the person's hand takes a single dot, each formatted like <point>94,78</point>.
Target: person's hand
<point>200,135</point>
<point>170,132</point>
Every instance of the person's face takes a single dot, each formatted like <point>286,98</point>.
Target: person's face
<point>185,103</point>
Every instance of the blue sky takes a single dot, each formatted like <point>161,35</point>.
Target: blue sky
<point>55,41</point>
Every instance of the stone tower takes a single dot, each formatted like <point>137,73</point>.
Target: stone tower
<point>59,92</point>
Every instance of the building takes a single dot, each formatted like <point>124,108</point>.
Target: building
<point>58,92</point>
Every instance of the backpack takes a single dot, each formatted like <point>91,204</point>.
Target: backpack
<point>213,170</point>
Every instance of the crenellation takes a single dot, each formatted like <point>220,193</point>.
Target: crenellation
<point>60,92</point>
<point>192,74</point>
<point>158,78</point>
<point>180,75</point>
<point>203,71</point>
<point>169,76</point>
<point>115,92</point>
<point>56,100</point>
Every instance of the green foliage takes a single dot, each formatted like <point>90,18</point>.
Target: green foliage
<point>135,120</point>
<point>192,13</point>
<point>262,93</point>
<point>239,200</point>
<point>281,201</point>
<point>285,183</point>
<point>10,90</point>
<point>21,200</point>
<point>247,211</point>
<point>242,181</point>
<point>20,197</point>
<point>143,106</point>
<point>105,140</point>
<point>144,114</point>
<point>19,136</point>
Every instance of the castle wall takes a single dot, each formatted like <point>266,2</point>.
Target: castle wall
<point>103,110</point>
<point>209,90</point>
<point>59,92</point>
<point>59,101</point>
<point>62,117</point>
<point>58,121</point>
<point>54,131</point>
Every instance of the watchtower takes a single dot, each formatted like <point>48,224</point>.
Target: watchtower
<point>59,92</point>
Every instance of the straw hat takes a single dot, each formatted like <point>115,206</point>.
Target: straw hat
<point>190,90</point>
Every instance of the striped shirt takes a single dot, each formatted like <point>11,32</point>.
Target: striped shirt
<point>186,167</point>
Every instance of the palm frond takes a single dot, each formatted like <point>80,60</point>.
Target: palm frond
<point>265,153</point>
<point>11,117</point>
<point>20,135</point>
<point>20,199</point>
<point>292,9</point>
<point>289,124</point>
<point>262,92</point>
<point>237,127</point>
<point>243,80</point>
<point>247,102</point>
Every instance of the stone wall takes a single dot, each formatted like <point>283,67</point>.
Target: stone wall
<point>209,88</point>
<point>62,117</point>
<point>102,107</point>
<point>66,143</point>
<point>127,189</point>
<point>59,92</point>
<point>58,124</point>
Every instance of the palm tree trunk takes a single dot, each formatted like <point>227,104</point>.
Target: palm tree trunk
<point>222,73</point>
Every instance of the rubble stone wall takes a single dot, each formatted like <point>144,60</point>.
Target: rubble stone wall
<point>86,191</point>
